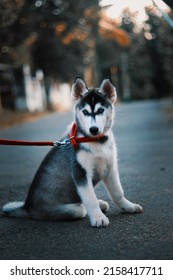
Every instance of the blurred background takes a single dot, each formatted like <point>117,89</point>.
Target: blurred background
<point>45,44</point>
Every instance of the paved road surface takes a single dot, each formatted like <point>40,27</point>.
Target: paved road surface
<point>144,135</point>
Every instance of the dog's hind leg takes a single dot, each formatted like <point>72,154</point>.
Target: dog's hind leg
<point>61,212</point>
<point>72,211</point>
<point>104,206</point>
<point>15,209</point>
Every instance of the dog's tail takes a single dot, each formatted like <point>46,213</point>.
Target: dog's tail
<point>15,209</point>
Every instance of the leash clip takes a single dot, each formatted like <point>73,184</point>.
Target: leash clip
<point>61,143</point>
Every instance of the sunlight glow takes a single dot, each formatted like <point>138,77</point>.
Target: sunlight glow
<point>138,6</point>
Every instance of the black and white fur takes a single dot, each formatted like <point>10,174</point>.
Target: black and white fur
<point>63,187</point>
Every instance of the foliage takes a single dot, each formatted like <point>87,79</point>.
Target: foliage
<point>61,44</point>
<point>64,37</point>
<point>48,34</point>
<point>150,55</point>
<point>154,50</point>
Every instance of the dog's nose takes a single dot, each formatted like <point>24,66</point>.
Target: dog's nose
<point>94,130</point>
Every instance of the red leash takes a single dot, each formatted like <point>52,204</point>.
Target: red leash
<point>73,139</point>
<point>25,143</point>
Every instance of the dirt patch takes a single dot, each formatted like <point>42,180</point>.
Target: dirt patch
<point>10,118</point>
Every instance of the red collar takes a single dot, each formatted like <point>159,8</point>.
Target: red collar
<point>74,140</point>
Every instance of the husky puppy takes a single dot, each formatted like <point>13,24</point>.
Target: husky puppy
<point>63,187</point>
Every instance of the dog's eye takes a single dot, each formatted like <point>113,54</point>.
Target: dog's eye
<point>100,111</point>
<point>85,112</point>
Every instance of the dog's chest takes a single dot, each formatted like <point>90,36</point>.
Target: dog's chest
<point>96,161</point>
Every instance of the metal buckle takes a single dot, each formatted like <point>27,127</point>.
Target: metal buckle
<point>61,143</point>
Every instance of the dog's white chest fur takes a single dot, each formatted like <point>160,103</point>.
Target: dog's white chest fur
<point>97,158</point>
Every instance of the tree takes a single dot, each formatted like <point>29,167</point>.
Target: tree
<point>159,43</point>
<point>150,56</point>
<point>48,34</point>
<point>62,43</point>
<point>9,14</point>
<point>110,42</point>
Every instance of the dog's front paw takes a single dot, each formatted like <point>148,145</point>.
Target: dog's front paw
<point>130,207</point>
<point>138,208</point>
<point>133,208</point>
<point>99,220</point>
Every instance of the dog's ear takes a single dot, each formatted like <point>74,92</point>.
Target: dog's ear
<point>108,90</point>
<point>79,88</point>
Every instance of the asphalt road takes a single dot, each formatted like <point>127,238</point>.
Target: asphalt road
<point>144,135</point>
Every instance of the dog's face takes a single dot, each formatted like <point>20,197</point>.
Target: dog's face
<point>93,107</point>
